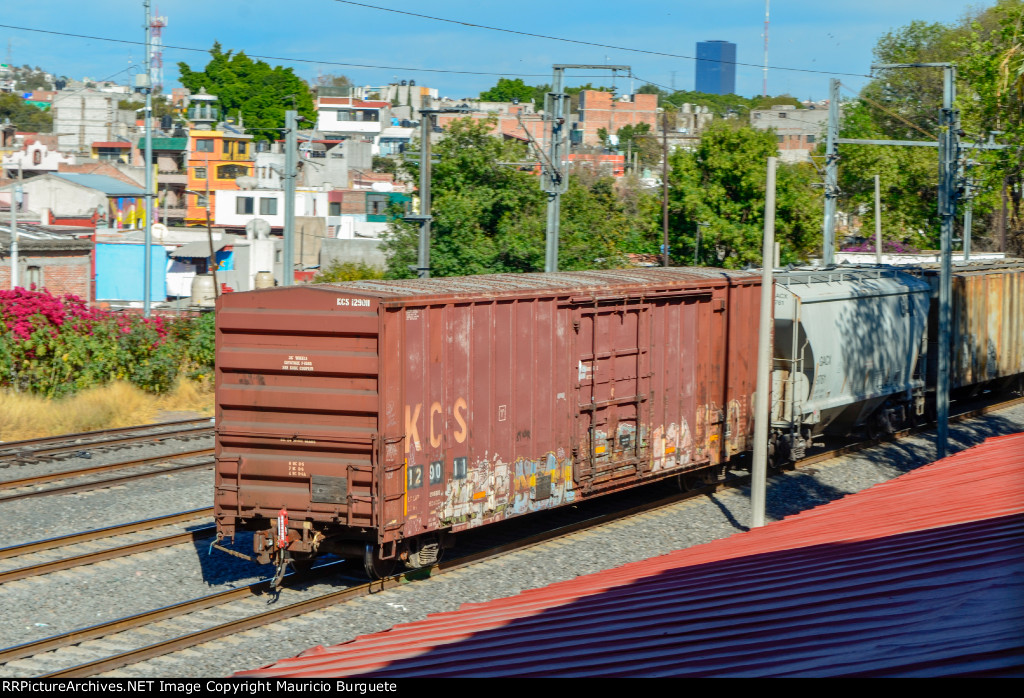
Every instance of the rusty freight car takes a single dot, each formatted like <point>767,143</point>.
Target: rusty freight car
<point>378,418</point>
<point>987,325</point>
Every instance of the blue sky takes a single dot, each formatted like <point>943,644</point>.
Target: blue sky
<point>816,35</point>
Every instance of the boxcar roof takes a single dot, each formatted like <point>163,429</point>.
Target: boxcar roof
<point>617,280</point>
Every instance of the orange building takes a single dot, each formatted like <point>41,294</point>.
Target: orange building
<point>215,160</point>
<point>216,157</point>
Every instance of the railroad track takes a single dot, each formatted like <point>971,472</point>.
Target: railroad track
<point>68,444</point>
<point>231,603</point>
<point>52,546</point>
<point>22,488</point>
<point>222,609</point>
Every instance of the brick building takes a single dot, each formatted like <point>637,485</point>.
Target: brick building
<point>602,110</point>
<point>56,259</point>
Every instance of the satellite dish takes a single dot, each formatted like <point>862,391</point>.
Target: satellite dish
<point>257,228</point>
<point>159,229</point>
<point>246,182</point>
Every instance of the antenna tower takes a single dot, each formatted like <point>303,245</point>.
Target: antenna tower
<point>156,65</point>
<point>764,83</point>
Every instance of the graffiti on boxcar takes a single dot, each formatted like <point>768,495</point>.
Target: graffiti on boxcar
<point>479,497</point>
<point>493,490</point>
<point>707,432</point>
<point>735,427</point>
<point>673,446</point>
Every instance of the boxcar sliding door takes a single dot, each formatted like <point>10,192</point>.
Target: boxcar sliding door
<point>612,360</point>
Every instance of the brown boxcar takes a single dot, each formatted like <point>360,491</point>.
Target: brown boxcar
<point>987,323</point>
<point>382,416</point>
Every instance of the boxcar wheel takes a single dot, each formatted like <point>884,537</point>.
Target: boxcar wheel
<point>374,566</point>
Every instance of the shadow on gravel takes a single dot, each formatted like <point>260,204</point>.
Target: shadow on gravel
<point>220,569</point>
<point>800,491</point>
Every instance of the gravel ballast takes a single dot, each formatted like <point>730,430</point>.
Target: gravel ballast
<point>60,602</point>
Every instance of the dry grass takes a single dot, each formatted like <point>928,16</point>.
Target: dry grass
<point>115,405</point>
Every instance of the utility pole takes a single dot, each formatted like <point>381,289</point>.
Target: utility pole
<point>828,250</point>
<point>148,158</point>
<point>554,178</point>
<point>424,218</point>
<point>664,188</point>
<point>762,416</point>
<point>291,125</point>
<point>878,222</point>
<point>15,203</point>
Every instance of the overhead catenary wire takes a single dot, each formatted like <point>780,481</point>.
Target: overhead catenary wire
<point>585,43</point>
<point>413,69</point>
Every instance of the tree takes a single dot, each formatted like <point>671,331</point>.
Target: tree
<point>986,46</point>
<point>261,94</point>
<point>992,100</point>
<point>490,218</point>
<point>720,188</point>
<point>25,117</point>
<point>508,90</point>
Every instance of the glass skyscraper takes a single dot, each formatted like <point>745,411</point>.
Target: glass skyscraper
<point>716,67</point>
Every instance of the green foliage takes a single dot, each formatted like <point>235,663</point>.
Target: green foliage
<point>490,218</point>
<point>987,46</point>
<point>907,177</point>
<point>506,90</point>
<point>347,271</point>
<point>260,93</point>
<point>992,99</point>
<point>25,117</point>
<point>161,107</point>
<point>721,185</point>
<point>385,164</point>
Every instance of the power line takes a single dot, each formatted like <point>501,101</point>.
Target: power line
<point>282,59</point>
<point>588,43</point>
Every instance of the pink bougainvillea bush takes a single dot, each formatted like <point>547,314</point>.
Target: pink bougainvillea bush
<point>58,345</point>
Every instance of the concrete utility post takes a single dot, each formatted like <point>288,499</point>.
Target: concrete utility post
<point>554,178</point>
<point>291,125</point>
<point>762,403</point>
<point>878,222</point>
<point>664,190</point>
<point>148,158</point>
<point>15,203</point>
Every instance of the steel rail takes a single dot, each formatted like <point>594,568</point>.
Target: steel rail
<point>67,563</point>
<point>109,482</point>
<point>157,436</point>
<point>100,533</point>
<point>5,446</point>
<point>67,474</point>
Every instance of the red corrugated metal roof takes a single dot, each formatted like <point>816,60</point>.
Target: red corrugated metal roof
<point>919,576</point>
